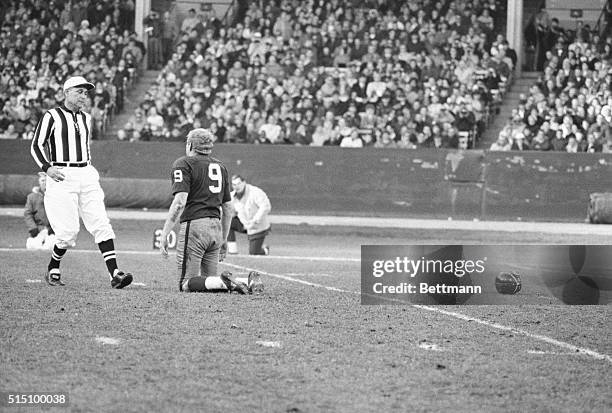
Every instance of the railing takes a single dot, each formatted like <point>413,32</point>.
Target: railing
<point>230,13</point>
<point>599,27</point>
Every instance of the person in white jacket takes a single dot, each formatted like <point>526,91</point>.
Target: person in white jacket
<point>251,206</point>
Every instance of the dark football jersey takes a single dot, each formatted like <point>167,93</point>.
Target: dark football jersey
<point>206,181</point>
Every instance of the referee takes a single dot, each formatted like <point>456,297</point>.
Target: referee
<point>61,149</point>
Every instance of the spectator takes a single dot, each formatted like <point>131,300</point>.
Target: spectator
<point>285,70</point>
<point>41,235</point>
<point>566,104</point>
<point>155,122</point>
<point>169,33</point>
<point>190,21</point>
<point>154,28</point>
<point>352,141</point>
<point>270,131</point>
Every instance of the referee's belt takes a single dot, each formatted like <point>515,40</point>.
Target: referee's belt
<point>71,164</point>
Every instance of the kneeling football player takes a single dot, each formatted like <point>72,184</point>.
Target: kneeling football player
<point>200,185</point>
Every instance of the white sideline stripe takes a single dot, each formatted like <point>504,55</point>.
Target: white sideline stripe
<point>554,353</point>
<point>308,274</point>
<point>374,222</point>
<point>33,281</point>
<point>577,349</point>
<point>286,278</point>
<point>291,257</point>
<point>260,257</point>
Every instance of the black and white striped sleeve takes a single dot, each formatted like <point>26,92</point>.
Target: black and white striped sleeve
<point>41,136</point>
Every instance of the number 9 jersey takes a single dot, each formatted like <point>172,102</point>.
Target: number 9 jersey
<point>206,181</point>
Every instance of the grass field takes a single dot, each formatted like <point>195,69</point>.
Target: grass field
<point>305,345</point>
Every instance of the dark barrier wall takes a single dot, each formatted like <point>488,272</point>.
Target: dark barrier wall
<point>331,180</point>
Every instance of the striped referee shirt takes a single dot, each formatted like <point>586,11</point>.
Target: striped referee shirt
<point>62,136</point>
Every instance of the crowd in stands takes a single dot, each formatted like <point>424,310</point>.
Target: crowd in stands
<point>44,42</point>
<point>570,107</point>
<point>382,73</point>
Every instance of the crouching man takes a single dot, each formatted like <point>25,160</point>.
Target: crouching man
<point>41,236</point>
<point>252,207</point>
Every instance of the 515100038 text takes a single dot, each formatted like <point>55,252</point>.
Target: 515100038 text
<point>24,399</point>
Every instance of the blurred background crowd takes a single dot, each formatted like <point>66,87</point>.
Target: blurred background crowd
<point>569,108</point>
<point>42,43</point>
<point>355,73</point>
<point>384,73</point>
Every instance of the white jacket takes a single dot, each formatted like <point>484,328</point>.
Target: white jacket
<point>252,209</point>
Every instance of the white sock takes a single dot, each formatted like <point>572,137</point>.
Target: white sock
<point>215,283</point>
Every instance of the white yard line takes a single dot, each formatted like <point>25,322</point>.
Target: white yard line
<point>257,257</point>
<point>374,222</point>
<point>538,337</point>
<point>553,353</point>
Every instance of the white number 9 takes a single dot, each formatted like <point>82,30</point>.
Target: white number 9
<point>178,175</point>
<point>214,173</point>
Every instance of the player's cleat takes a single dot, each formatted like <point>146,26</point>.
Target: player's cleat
<point>121,279</point>
<point>255,283</point>
<point>53,278</point>
<point>266,249</point>
<point>233,285</point>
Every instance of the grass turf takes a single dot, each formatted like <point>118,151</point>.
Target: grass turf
<point>200,352</point>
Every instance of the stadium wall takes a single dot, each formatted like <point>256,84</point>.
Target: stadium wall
<point>540,186</point>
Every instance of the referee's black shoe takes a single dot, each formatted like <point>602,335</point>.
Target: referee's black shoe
<point>53,278</point>
<point>121,279</point>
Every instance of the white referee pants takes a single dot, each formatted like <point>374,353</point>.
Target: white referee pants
<point>80,194</point>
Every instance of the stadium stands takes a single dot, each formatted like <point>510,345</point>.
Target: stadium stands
<point>570,106</point>
<point>383,73</point>
<point>42,43</point>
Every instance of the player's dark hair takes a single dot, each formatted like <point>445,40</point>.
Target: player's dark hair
<point>238,176</point>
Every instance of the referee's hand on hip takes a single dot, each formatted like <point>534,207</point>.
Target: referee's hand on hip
<point>55,173</point>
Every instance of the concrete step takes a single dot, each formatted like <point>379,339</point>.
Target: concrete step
<point>510,102</point>
<point>132,101</point>
<point>525,82</point>
<point>516,95</point>
<point>530,75</point>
